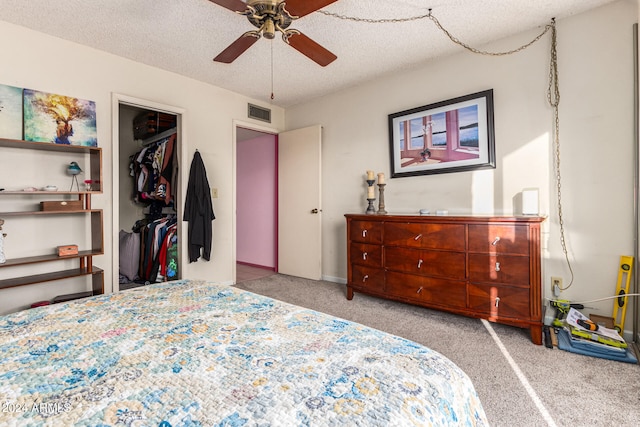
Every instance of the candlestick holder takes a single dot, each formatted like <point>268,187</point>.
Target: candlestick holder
<point>370,209</point>
<point>381,210</point>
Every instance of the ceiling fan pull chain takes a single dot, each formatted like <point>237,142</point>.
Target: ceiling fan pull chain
<point>272,70</point>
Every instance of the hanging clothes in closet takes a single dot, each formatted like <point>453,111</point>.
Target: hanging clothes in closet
<point>158,249</point>
<point>154,172</point>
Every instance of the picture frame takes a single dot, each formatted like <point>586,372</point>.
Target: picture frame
<point>455,135</point>
<point>10,112</point>
<point>59,119</point>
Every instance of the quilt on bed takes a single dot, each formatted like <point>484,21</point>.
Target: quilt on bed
<point>194,353</point>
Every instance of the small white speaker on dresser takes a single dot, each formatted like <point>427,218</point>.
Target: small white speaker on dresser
<point>530,201</point>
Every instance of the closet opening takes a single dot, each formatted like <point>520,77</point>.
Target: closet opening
<point>148,200</point>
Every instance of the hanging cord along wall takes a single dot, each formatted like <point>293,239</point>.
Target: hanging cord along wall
<point>553,93</point>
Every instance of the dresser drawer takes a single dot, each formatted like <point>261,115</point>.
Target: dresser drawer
<point>480,266</point>
<point>499,238</point>
<point>425,262</point>
<point>364,254</point>
<point>429,290</point>
<point>508,269</point>
<point>365,232</point>
<point>500,301</point>
<point>428,236</point>
<point>367,278</point>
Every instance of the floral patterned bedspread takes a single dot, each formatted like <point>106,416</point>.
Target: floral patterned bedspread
<point>194,353</point>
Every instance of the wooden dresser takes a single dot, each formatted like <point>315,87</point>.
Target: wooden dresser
<point>479,266</point>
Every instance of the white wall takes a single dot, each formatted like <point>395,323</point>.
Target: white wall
<point>596,125</point>
<point>129,212</point>
<point>37,61</point>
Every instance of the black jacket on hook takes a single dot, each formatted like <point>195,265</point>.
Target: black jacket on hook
<point>198,211</point>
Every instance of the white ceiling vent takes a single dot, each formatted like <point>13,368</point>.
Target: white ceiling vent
<point>259,113</point>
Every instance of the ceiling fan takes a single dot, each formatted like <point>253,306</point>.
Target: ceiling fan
<point>270,16</point>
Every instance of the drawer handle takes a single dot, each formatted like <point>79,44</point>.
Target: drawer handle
<point>364,233</point>
<point>419,290</point>
<point>418,237</point>
<point>497,301</point>
<point>495,241</point>
<point>420,263</point>
<point>364,256</point>
<point>497,266</point>
<point>364,279</point>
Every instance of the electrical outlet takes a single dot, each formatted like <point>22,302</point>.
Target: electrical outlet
<point>214,193</point>
<point>556,285</point>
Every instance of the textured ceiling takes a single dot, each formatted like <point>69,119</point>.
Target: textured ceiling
<point>183,36</point>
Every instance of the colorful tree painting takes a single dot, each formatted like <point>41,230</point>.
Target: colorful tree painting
<point>59,119</point>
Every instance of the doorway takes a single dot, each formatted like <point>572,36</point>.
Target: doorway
<point>143,127</point>
<point>256,204</point>
<point>297,228</point>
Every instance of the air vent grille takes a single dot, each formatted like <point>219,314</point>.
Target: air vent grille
<point>259,113</point>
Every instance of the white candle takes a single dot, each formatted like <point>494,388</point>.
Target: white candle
<point>369,175</point>
<point>380,178</point>
<point>370,194</point>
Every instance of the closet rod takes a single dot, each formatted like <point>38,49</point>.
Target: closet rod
<point>159,136</point>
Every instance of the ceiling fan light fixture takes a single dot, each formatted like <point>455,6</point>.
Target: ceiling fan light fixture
<point>268,29</point>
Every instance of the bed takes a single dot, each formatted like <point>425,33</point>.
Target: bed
<point>195,353</point>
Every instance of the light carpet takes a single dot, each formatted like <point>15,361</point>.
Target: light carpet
<point>519,383</point>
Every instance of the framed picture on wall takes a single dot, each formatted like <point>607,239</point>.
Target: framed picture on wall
<point>10,112</point>
<point>59,119</point>
<point>448,136</point>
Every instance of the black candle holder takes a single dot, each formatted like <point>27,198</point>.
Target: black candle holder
<point>370,209</point>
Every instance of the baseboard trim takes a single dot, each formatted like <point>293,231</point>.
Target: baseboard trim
<point>334,279</point>
<point>248,264</point>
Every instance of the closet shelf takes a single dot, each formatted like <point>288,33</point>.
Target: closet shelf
<point>48,277</point>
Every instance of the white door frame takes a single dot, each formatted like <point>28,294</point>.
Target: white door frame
<point>116,100</point>
<point>234,189</point>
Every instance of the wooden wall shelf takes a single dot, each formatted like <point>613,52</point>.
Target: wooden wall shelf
<point>48,277</point>
<point>84,257</point>
<point>95,162</point>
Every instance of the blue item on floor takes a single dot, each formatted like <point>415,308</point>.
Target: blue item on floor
<point>587,348</point>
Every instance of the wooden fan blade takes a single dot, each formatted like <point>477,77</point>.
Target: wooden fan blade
<point>311,49</point>
<point>234,5</point>
<point>236,48</point>
<point>301,8</point>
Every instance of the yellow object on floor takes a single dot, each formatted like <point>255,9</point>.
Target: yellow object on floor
<point>620,303</point>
